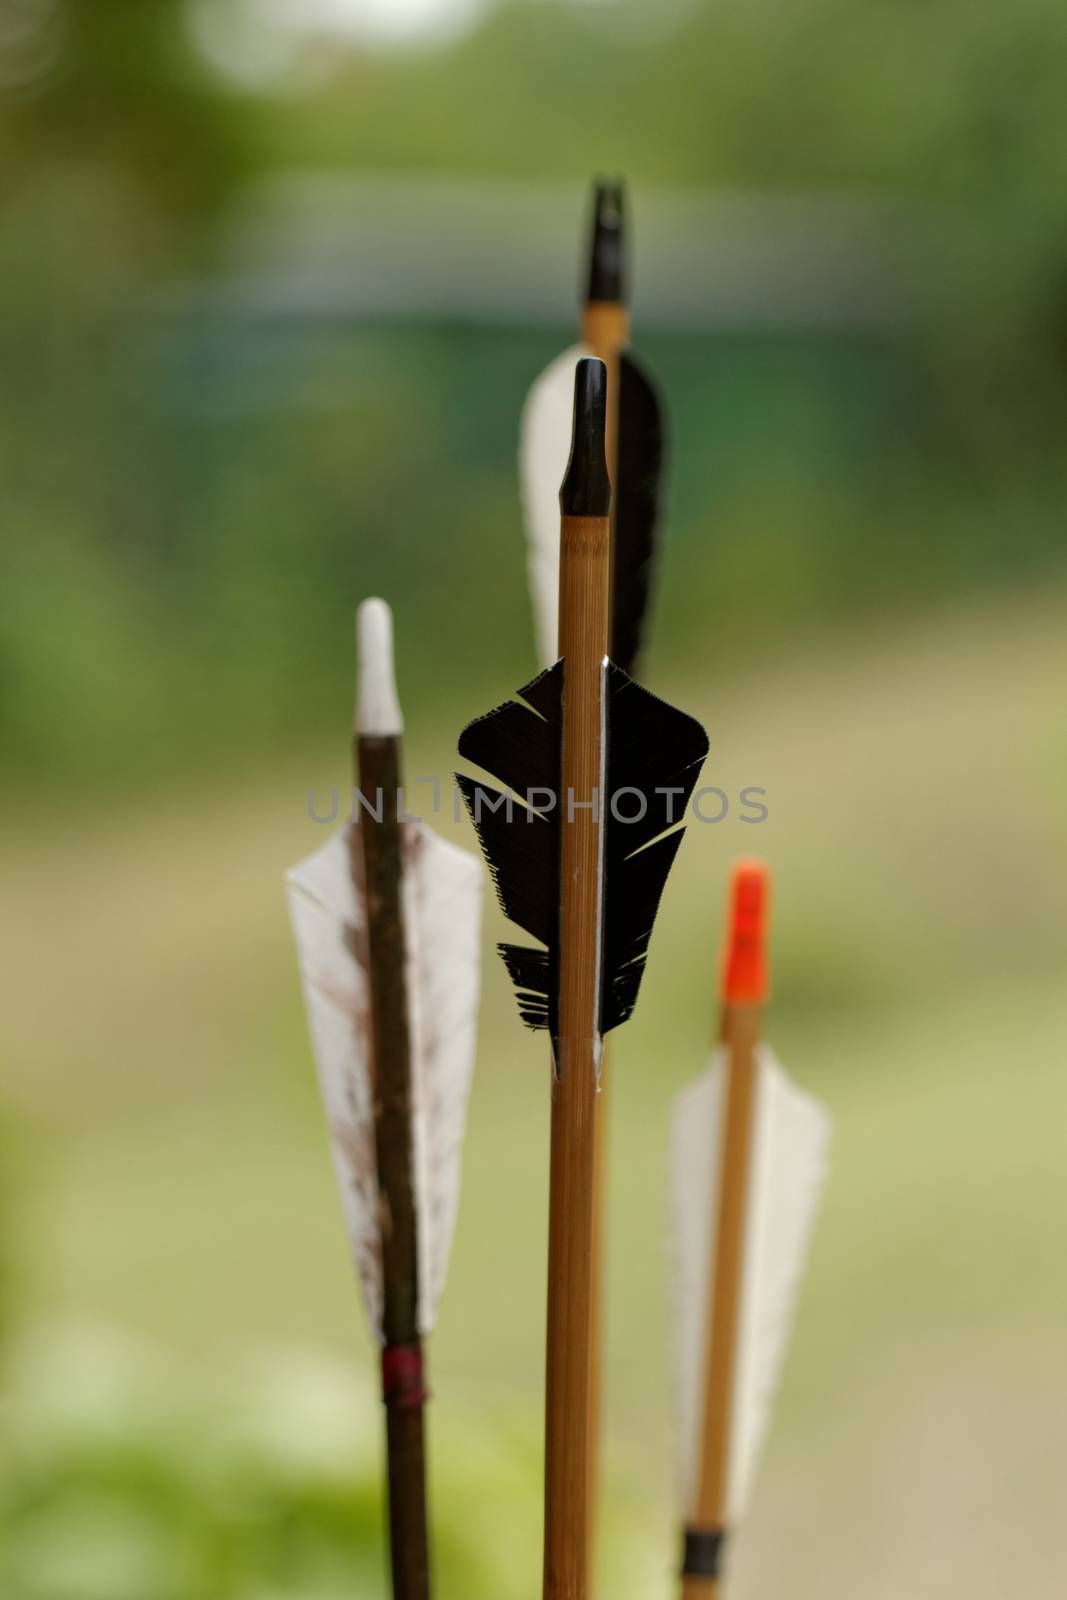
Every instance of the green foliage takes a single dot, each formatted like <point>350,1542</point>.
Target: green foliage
<point>125,1476</point>
<point>7,1265</point>
<point>193,507</point>
<point>949,98</point>
<point>201,513</point>
<point>121,87</point>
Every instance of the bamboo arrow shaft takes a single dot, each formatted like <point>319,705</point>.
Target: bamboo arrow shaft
<point>583,642</point>
<point>606,331</point>
<point>378,760</point>
<point>740,1036</point>
<point>605,327</point>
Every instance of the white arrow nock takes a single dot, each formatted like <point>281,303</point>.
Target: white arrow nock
<point>378,711</point>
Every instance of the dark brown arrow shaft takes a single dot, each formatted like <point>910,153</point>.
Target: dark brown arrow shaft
<point>378,762</point>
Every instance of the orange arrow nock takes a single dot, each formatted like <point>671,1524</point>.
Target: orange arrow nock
<point>745,972</point>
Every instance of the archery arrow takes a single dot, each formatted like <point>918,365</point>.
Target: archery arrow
<point>748,1153</point>
<point>634,443</point>
<point>387,918</point>
<point>635,447</point>
<point>596,772</point>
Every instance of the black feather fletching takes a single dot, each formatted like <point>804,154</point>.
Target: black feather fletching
<point>651,747</point>
<point>640,466</point>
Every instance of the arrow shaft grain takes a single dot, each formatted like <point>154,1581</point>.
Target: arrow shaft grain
<point>740,1037</point>
<point>583,641</point>
<point>378,760</point>
<point>605,331</point>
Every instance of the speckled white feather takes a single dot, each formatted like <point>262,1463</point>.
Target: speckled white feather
<point>544,450</point>
<point>442,897</point>
<point>378,706</point>
<point>791,1135</point>
<point>442,904</point>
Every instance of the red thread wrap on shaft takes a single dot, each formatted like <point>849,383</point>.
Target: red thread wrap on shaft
<point>403,1380</point>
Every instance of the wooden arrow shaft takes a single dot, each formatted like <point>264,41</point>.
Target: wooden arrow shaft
<point>605,327</point>
<point>740,1037</point>
<point>583,640</point>
<point>605,331</point>
<point>378,761</point>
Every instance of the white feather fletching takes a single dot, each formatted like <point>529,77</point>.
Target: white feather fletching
<point>791,1134</point>
<point>442,902</point>
<point>544,450</point>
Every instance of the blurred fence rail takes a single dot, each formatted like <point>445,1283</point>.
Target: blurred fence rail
<point>312,245</point>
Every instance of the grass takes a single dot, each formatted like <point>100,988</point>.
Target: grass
<point>174,1182</point>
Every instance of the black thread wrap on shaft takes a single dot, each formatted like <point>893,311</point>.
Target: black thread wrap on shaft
<point>702,1552</point>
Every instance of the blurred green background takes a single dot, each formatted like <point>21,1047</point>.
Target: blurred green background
<point>273,283</point>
